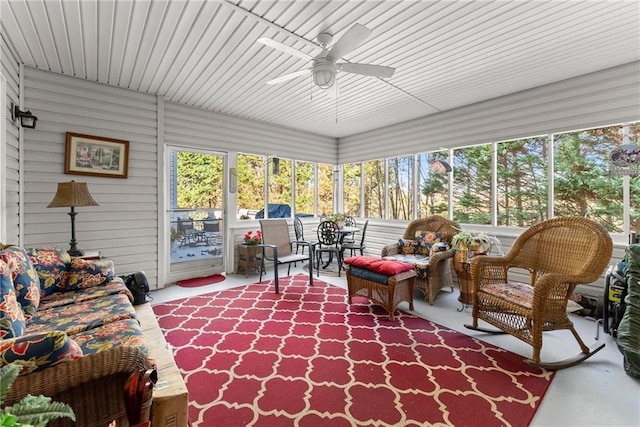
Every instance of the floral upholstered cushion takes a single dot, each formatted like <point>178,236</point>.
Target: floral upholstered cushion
<point>519,293</point>
<point>39,351</point>
<point>83,316</point>
<point>25,279</point>
<point>419,262</point>
<point>426,239</point>
<point>123,332</point>
<point>407,246</point>
<point>115,286</point>
<point>12,321</point>
<point>89,273</point>
<point>52,266</point>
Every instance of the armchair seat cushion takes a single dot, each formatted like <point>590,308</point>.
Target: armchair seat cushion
<point>39,351</point>
<point>419,262</point>
<point>516,292</point>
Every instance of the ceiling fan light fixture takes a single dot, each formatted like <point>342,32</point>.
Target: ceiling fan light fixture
<point>324,75</point>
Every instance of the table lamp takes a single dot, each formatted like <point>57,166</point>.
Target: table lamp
<point>72,194</point>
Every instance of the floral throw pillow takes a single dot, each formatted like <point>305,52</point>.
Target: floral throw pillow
<point>25,279</point>
<point>52,266</point>
<point>426,239</point>
<point>407,246</point>
<point>39,351</point>
<point>12,322</point>
<point>89,273</point>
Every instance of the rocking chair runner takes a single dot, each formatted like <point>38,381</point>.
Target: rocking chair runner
<point>559,254</point>
<point>277,247</point>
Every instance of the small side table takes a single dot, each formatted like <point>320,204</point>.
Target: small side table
<point>249,259</point>
<point>466,291</point>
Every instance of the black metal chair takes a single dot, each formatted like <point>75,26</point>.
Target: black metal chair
<point>355,246</point>
<point>300,241</point>
<point>351,237</point>
<point>328,242</point>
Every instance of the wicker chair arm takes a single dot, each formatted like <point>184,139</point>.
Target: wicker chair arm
<point>66,375</point>
<point>439,256</point>
<point>389,250</point>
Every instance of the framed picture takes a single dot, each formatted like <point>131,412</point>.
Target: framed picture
<point>95,155</point>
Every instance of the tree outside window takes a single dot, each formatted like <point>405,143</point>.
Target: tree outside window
<point>305,188</point>
<point>401,187</point>
<point>325,189</point>
<point>434,186</point>
<point>279,181</point>
<point>583,185</point>
<point>374,189</point>
<point>251,182</point>
<point>522,187</point>
<point>351,191</point>
<point>472,168</point>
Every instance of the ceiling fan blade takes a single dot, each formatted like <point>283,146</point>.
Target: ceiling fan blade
<point>349,41</point>
<point>290,76</point>
<point>284,48</point>
<point>367,69</point>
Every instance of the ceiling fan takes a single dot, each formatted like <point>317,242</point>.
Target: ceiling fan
<point>325,66</point>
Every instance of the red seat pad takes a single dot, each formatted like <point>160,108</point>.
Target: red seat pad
<point>379,265</point>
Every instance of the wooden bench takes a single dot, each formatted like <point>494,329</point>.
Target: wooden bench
<point>170,396</point>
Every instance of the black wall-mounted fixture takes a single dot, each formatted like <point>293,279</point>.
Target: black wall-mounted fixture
<point>27,120</point>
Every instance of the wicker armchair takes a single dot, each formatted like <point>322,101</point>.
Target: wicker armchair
<point>559,254</point>
<point>92,385</point>
<point>438,274</point>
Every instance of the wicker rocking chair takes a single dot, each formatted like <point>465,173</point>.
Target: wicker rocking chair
<point>559,254</point>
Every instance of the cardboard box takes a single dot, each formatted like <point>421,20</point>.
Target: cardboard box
<point>170,395</point>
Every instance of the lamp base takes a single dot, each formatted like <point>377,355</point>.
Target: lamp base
<point>75,253</point>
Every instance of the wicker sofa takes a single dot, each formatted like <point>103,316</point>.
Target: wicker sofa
<point>433,270</point>
<point>71,324</point>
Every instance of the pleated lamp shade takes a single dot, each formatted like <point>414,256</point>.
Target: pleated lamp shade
<point>72,194</point>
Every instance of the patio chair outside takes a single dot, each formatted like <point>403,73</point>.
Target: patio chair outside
<point>354,247</point>
<point>278,248</point>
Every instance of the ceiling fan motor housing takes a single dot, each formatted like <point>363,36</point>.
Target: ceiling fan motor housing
<point>324,72</point>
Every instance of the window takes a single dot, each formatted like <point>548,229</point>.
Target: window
<point>305,187</point>
<point>250,185</point>
<point>434,186</point>
<point>400,170</point>
<point>351,191</point>
<point>633,137</point>
<point>472,185</point>
<point>280,181</point>
<point>522,184</point>
<point>583,185</point>
<point>325,189</point>
<point>374,189</point>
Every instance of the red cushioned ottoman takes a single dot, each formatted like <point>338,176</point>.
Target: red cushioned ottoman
<point>384,282</point>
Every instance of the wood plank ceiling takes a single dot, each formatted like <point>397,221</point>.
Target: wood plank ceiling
<point>447,54</point>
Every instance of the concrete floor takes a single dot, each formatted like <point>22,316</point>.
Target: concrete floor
<point>596,392</point>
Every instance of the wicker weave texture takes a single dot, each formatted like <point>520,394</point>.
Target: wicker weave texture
<point>559,254</point>
<point>399,289</point>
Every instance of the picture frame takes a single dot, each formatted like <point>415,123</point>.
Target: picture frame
<point>96,156</point>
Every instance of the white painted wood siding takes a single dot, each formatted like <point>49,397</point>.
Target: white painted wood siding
<point>11,72</point>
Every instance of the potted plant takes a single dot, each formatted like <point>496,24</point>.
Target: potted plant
<point>478,243</point>
<point>31,411</point>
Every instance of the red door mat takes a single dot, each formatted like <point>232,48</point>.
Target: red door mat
<point>201,281</point>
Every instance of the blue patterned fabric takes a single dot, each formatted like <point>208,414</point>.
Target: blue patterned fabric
<point>123,332</point>
<point>52,266</point>
<point>39,351</point>
<point>25,279</point>
<point>89,273</point>
<point>116,286</point>
<point>12,321</point>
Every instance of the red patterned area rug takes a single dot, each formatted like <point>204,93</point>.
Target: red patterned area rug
<point>306,358</point>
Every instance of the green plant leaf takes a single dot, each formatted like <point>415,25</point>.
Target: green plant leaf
<point>8,374</point>
<point>39,410</point>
